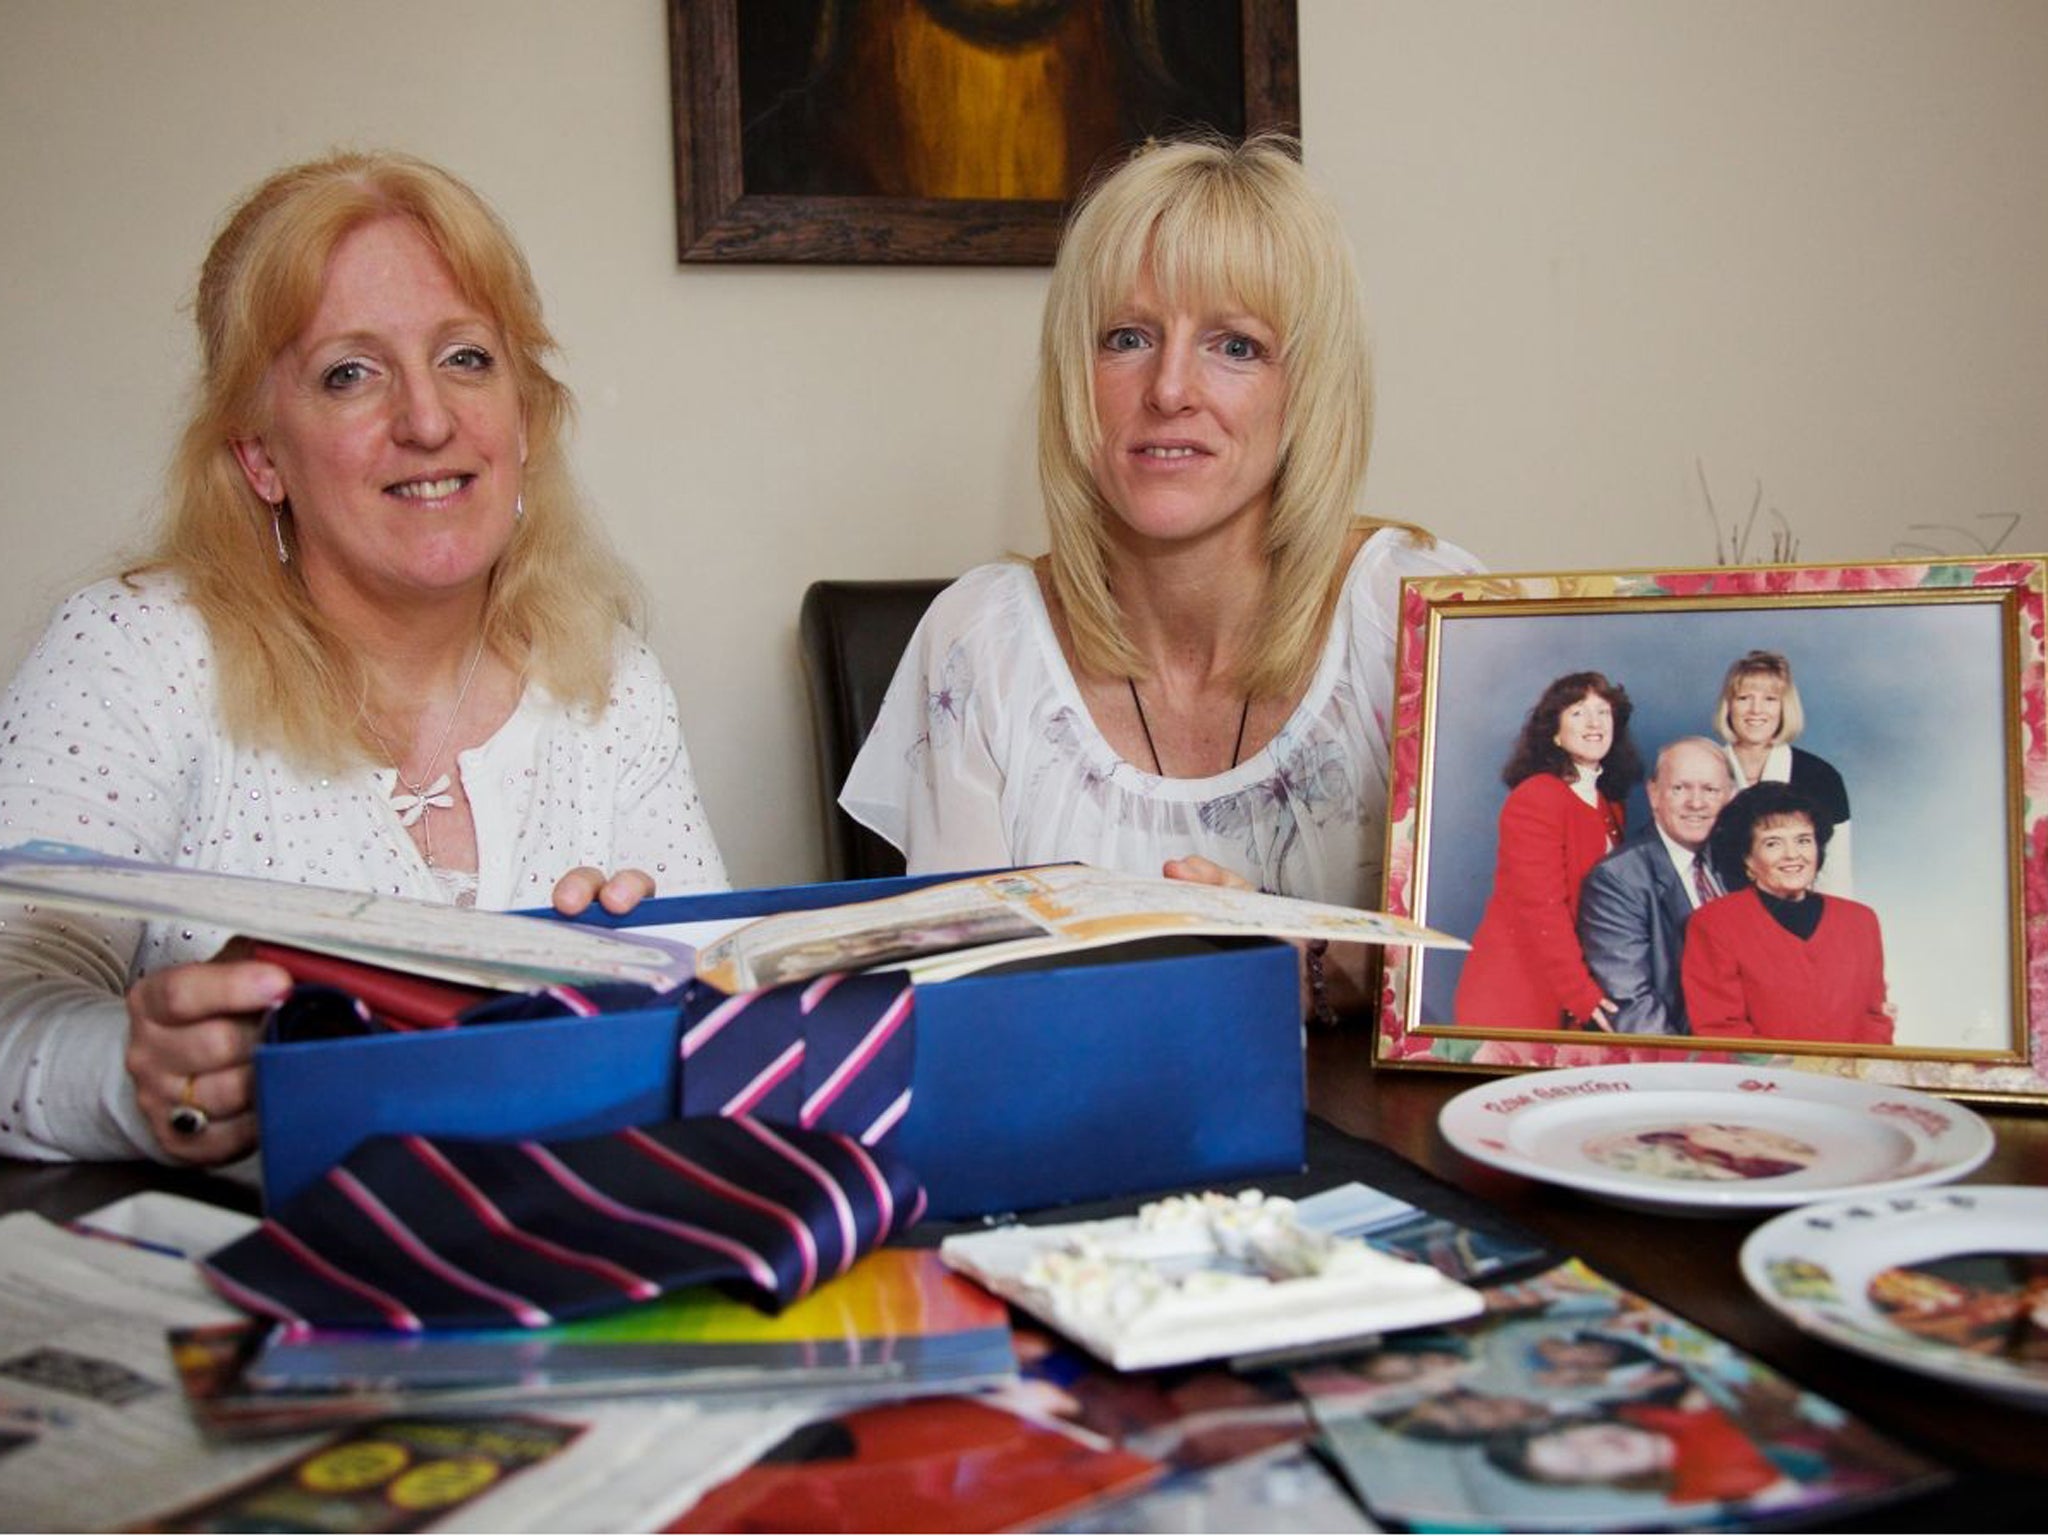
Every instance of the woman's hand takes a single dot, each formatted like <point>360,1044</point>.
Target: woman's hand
<point>1602,1016</point>
<point>1197,870</point>
<point>1335,982</point>
<point>192,1035</point>
<point>618,894</point>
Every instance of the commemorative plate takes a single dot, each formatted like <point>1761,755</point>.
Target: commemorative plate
<point>1705,1137</point>
<point>1950,1283</point>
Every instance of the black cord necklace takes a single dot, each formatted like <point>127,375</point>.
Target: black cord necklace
<point>1145,725</point>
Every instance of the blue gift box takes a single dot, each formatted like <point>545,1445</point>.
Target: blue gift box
<point>1092,1075</point>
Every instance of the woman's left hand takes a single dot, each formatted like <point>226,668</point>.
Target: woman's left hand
<point>192,1036</point>
<point>618,894</point>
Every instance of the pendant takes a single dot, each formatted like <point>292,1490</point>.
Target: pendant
<point>411,803</point>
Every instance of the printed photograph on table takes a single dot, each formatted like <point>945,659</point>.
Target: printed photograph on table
<point>1575,1405</point>
<point>1794,815</point>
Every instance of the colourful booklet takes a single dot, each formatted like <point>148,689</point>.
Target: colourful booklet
<point>896,1323</point>
<point>396,1475</point>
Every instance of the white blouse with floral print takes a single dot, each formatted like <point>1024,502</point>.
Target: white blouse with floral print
<point>984,754</point>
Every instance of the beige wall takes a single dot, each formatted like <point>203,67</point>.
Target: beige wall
<point>1609,244</point>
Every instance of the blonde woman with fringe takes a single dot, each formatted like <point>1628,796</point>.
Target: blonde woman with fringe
<point>1199,677</point>
<point>378,645</point>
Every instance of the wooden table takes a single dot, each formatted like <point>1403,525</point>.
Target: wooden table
<point>1688,1264</point>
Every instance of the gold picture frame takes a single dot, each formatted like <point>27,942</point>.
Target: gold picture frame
<point>1922,684</point>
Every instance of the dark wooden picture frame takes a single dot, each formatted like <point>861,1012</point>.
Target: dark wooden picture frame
<point>718,219</point>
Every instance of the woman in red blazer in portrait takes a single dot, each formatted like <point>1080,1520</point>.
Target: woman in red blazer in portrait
<point>1776,959</point>
<point>1571,769</point>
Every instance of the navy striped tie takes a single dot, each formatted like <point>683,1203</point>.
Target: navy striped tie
<point>410,1233</point>
<point>834,1053</point>
<point>774,1176</point>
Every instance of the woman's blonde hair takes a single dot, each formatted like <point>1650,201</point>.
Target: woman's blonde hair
<point>1213,221</point>
<point>1791,713</point>
<point>286,678</point>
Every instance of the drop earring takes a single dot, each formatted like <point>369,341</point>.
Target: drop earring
<point>284,555</point>
<point>519,507</point>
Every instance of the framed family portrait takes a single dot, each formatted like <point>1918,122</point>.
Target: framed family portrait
<point>1625,789</point>
<point>944,131</point>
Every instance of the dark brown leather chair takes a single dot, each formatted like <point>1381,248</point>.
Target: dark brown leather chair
<point>852,634</point>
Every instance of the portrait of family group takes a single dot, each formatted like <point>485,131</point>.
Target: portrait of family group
<point>1679,816</point>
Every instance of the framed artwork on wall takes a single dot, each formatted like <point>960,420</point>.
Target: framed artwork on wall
<point>1622,787</point>
<point>943,131</point>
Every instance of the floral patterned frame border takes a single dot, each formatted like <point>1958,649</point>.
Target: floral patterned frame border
<point>2015,584</point>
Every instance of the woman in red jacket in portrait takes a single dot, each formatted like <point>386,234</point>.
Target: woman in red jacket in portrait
<point>1567,778</point>
<point>1776,959</point>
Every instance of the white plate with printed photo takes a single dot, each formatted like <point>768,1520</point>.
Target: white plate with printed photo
<point>1707,1137</point>
<point>1949,1283</point>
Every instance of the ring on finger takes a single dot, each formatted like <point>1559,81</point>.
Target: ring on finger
<point>188,1119</point>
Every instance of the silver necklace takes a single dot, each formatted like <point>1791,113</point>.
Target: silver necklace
<point>412,799</point>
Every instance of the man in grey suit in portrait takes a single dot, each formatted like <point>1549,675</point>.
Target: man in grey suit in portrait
<point>1635,903</point>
